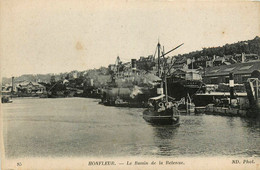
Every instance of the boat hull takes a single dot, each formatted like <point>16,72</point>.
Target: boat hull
<point>180,88</point>
<point>165,117</point>
<point>110,95</point>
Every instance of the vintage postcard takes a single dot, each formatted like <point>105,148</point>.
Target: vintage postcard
<point>130,84</point>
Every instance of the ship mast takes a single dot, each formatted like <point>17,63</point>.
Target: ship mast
<point>164,67</point>
<point>159,46</point>
<point>165,80</point>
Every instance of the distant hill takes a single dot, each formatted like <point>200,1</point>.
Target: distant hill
<point>247,47</point>
<point>28,77</point>
<point>33,78</point>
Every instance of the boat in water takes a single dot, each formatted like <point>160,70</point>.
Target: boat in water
<point>6,99</point>
<point>161,112</point>
<point>163,109</point>
<point>181,87</point>
<point>127,97</point>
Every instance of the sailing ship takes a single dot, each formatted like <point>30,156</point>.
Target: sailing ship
<point>160,109</point>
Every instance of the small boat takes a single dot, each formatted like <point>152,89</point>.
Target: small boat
<point>161,112</point>
<point>6,99</point>
<point>120,103</point>
<point>108,102</point>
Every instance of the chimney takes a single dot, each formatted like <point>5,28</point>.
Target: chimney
<point>12,84</point>
<point>133,64</point>
<point>242,57</point>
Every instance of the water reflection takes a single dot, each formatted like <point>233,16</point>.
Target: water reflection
<point>252,122</point>
<point>230,122</point>
<point>163,138</point>
<point>253,125</point>
<point>164,131</point>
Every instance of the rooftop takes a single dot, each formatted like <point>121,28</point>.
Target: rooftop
<point>238,68</point>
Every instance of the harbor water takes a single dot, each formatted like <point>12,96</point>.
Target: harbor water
<point>82,127</point>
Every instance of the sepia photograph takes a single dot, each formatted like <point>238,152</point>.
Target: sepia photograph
<point>113,84</point>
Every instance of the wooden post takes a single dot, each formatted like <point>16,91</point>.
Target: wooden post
<point>231,85</point>
<point>256,92</point>
<point>187,108</point>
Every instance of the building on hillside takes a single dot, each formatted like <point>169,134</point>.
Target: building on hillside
<point>169,60</point>
<point>149,58</point>
<point>209,63</point>
<point>7,88</point>
<point>192,74</point>
<point>179,73</point>
<point>220,74</point>
<point>251,57</point>
<point>180,66</point>
<point>142,58</point>
<point>199,62</point>
<point>128,70</point>
<point>30,87</point>
<point>180,60</point>
<point>75,75</point>
<point>241,58</point>
<point>187,74</point>
<point>217,61</point>
<point>112,67</point>
<point>145,65</point>
<point>117,67</point>
<point>230,59</point>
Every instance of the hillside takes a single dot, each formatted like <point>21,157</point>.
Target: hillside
<point>248,47</point>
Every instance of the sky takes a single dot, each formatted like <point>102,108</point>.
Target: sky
<point>54,36</point>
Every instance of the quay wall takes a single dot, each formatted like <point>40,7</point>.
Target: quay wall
<point>226,111</point>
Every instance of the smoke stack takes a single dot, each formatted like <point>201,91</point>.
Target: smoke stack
<point>12,84</point>
<point>133,64</point>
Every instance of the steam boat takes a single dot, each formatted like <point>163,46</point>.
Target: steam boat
<point>160,111</point>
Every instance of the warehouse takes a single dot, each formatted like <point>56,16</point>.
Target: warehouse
<point>241,71</point>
